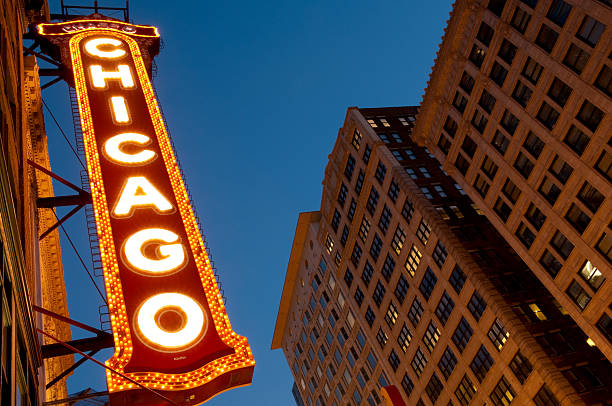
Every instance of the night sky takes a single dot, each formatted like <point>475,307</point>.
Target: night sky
<point>254,94</point>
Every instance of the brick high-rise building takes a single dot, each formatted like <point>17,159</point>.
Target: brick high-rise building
<point>401,280</point>
<point>519,111</point>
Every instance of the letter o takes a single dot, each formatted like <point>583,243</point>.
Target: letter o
<point>149,326</point>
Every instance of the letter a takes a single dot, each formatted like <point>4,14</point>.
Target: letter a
<point>139,192</point>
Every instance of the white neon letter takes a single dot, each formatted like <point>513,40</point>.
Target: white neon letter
<point>93,48</point>
<point>172,253</point>
<point>139,192</point>
<point>185,308</point>
<point>120,111</point>
<point>98,76</point>
<point>112,148</point>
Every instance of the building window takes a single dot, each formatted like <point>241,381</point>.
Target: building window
<point>576,58</point>
<point>428,283</point>
<point>521,367</point>
<point>525,235</point>
<point>477,305</point>
<point>498,74</point>
<point>502,209</point>
<point>431,337</point>
<point>413,260</point>
<point>366,154</point>
<point>391,315</point>
<point>477,55</point>
<point>460,101</point>
<point>356,141</point>
<point>366,275</point>
<point>498,334</point>
<point>576,140</point>
<point>372,123</point>
<point>401,289</point>
<point>496,7</point>
<point>457,279</point>
<point>583,378</point>
<point>385,219</point>
<point>375,248</point>
<point>479,121</point>
<point>379,293</point>
<point>545,397</point>
<point>604,246</point>
<point>547,115</point>
<point>418,362</point>
<point>590,196</point>
<point>578,295</point>
<point>523,165</point>
<point>372,201</point>
<point>462,334</point>
<point>434,388</point>
<point>550,263</point>
<point>411,171</point>
<point>450,126</point>
<point>507,51</point>
<point>467,82</point>
<point>381,170</point>
<point>345,234</point>
<point>393,191</point>
<point>532,71</point>
<point>407,210</point>
<point>462,164</point>
<point>481,363</point>
<point>382,338</point>
<point>577,218</point>
<point>350,167</point>
<point>604,324</point>
<point>590,31</point>
<point>425,172</point>
<point>423,232</point>
<point>509,122</point>
<point>398,240</point>
<point>604,165</point>
<point>348,277</point>
<point>489,167</point>
<point>547,37</point>
<point>370,316</point>
<point>359,296</point>
<point>487,101</point>
<point>415,312</point>
<point>364,228</point>
<point>407,385</point>
<point>351,211</point>
<point>511,191</point>
<point>388,267</point>
<point>502,394</point>
<point>533,144</point>
<point>520,20</point>
<point>447,363</point>
<point>549,190</point>
<point>439,254</point>
<point>384,138</point>
<point>589,115</point>
<point>342,195</point>
<point>329,243</point>
<point>558,12</point>
<point>469,146</point>
<point>522,93</point>
<point>445,307</point>
<point>359,183</point>
<point>404,338</point>
<point>535,216</point>
<point>562,245</point>
<point>394,361</point>
<point>485,34</point>
<point>335,220</point>
<point>465,391</point>
<point>604,80</point>
<point>500,142</point>
<point>559,92</point>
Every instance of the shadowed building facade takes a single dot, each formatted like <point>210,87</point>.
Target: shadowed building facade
<point>30,273</point>
<point>518,110</point>
<point>400,280</point>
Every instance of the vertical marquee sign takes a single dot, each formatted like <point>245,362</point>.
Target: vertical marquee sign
<point>170,327</point>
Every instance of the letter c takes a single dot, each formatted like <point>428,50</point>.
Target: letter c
<point>92,47</point>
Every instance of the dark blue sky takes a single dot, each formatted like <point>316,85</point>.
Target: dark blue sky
<point>254,94</point>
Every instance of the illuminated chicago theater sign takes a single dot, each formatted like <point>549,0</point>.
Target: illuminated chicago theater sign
<point>169,323</point>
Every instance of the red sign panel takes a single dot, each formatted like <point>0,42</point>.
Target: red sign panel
<point>171,330</point>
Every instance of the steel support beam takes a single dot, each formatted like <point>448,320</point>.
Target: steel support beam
<point>97,343</point>
<point>57,201</point>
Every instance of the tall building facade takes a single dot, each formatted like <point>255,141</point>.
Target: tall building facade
<point>519,111</point>
<point>30,273</point>
<point>401,280</point>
